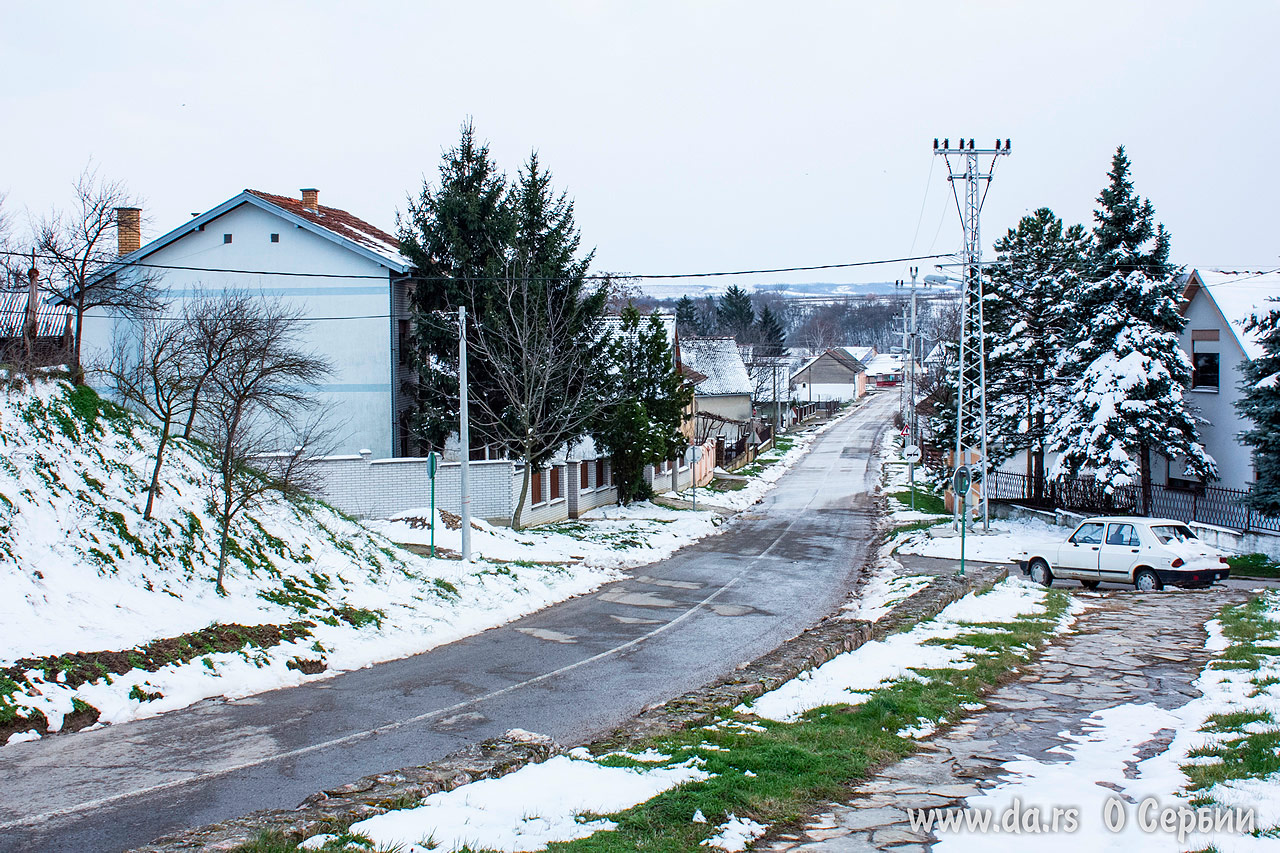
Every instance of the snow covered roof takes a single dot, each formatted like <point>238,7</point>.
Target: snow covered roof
<point>51,320</point>
<point>1239,295</point>
<point>862,354</point>
<point>717,359</point>
<point>882,363</point>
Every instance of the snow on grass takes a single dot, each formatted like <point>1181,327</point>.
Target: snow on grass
<point>848,678</point>
<point>536,805</point>
<point>1008,539</point>
<point>607,537</point>
<point>886,589</point>
<point>735,834</point>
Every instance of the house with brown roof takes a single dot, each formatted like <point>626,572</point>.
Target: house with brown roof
<point>840,373</point>
<point>344,275</point>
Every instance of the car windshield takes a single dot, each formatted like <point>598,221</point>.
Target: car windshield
<point>1167,533</point>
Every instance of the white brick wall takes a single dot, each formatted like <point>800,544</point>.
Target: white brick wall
<point>379,488</point>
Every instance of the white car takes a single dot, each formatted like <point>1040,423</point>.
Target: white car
<point>1146,552</point>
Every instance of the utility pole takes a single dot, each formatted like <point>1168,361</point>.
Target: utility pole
<point>464,436</point>
<point>971,390</point>
<point>911,364</point>
<point>777,404</point>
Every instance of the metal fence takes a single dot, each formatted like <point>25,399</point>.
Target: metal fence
<point>1210,505</point>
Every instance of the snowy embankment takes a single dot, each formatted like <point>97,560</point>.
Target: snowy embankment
<point>109,617</point>
<point>575,796</point>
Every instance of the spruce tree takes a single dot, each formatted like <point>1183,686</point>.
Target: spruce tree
<point>1029,328</point>
<point>1127,401</point>
<point>735,316</point>
<point>641,426</point>
<point>1261,405</point>
<point>458,234</point>
<point>689,320</point>
<point>770,334</point>
<point>1125,235</point>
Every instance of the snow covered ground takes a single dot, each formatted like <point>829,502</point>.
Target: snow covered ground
<point>84,572</point>
<point>525,810</point>
<point>1007,539</point>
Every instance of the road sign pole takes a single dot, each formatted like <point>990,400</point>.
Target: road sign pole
<point>432,465</point>
<point>963,525</point>
<point>912,468</point>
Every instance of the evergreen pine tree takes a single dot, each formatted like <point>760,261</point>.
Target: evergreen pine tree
<point>1261,404</point>
<point>770,334</point>
<point>689,320</point>
<point>1128,402</point>
<point>1127,371</point>
<point>735,316</point>
<point>1029,328</point>
<point>457,234</point>
<point>1125,235</point>
<point>642,426</point>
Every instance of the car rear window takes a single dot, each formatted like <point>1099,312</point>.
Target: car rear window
<point>1167,533</point>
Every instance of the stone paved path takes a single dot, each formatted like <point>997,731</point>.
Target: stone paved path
<point>1129,648</point>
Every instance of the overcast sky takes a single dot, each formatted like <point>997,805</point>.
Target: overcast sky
<point>692,135</point>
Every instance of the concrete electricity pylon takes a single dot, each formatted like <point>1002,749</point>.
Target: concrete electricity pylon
<point>971,390</point>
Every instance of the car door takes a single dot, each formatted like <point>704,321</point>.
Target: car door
<point>1120,550</point>
<point>1078,556</point>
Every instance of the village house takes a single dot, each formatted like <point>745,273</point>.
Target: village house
<point>1217,306</point>
<point>345,276</point>
<point>722,398</point>
<point>840,373</point>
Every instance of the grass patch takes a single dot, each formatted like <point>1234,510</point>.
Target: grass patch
<point>727,485</point>
<point>925,501</point>
<point>1253,566</point>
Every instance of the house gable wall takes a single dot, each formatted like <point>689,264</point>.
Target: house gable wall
<point>359,346</point>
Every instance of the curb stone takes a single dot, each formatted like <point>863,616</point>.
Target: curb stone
<point>496,757</point>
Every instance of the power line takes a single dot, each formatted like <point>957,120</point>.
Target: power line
<point>593,277</point>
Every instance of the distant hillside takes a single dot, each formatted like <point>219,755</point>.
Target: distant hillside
<point>106,616</point>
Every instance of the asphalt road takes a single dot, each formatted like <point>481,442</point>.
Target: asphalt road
<point>572,671</point>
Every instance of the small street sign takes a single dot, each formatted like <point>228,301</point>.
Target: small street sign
<point>960,481</point>
<point>433,463</point>
<point>911,453</point>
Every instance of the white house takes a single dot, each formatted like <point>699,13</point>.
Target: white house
<point>1217,305</point>
<point>840,373</point>
<point>343,274</point>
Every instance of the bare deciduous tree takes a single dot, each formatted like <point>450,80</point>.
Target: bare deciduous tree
<point>259,414</point>
<point>544,351</point>
<point>153,366</point>
<point>78,243</point>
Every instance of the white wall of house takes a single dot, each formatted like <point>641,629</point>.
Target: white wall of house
<point>1217,404</point>
<point>359,391</point>
<point>821,392</point>
<point>735,407</point>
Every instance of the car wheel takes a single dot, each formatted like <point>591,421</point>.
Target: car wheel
<point>1040,573</point>
<point>1146,581</point>
<point>1089,585</point>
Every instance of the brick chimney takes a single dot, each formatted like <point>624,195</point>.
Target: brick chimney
<point>311,199</point>
<point>128,229</point>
